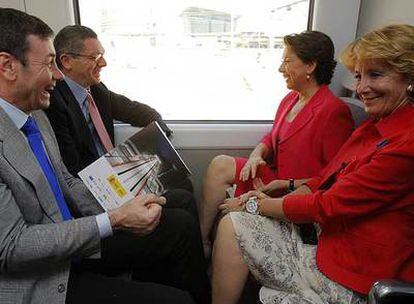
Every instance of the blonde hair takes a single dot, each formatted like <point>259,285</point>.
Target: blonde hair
<point>393,44</point>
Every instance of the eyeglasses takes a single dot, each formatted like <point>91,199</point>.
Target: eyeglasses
<point>95,58</point>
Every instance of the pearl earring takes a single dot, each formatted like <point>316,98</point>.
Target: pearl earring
<point>308,77</point>
<point>410,91</point>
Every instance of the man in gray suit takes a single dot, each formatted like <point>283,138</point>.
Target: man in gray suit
<point>50,225</point>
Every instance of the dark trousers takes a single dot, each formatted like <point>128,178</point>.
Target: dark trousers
<point>182,199</point>
<point>172,255</point>
<point>185,184</point>
<point>88,287</point>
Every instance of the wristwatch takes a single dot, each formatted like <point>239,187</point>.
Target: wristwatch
<point>252,205</point>
<point>291,187</point>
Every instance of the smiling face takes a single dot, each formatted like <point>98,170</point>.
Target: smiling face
<point>37,78</point>
<point>84,69</point>
<point>294,70</point>
<point>380,88</point>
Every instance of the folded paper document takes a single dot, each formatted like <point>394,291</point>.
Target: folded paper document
<point>146,162</point>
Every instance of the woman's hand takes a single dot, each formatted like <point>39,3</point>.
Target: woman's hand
<point>271,207</point>
<point>276,184</point>
<point>231,204</point>
<point>259,194</point>
<point>237,203</point>
<point>250,168</point>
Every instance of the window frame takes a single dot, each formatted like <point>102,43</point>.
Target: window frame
<point>311,11</point>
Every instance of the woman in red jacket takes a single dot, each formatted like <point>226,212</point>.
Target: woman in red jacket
<point>311,124</point>
<point>363,200</point>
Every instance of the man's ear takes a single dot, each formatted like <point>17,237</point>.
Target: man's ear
<point>66,62</point>
<point>8,66</point>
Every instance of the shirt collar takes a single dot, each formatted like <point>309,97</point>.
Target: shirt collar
<point>18,117</point>
<point>78,91</point>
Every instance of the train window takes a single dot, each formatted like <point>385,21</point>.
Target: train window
<point>197,59</point>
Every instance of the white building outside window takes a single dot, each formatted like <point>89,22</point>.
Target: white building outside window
<point>197,59</point>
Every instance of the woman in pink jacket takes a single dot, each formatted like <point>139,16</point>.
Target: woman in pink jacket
<point>311,124</point>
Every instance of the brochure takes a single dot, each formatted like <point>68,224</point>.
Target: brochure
<point>146,162</point>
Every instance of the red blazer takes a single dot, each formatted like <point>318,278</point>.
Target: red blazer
<point>314,136</point>
<point>364,202</point>
<point>312,140</point>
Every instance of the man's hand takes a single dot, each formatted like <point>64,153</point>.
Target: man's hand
<point>140,215</point>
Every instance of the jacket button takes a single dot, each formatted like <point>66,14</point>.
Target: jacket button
<point>61,288</point>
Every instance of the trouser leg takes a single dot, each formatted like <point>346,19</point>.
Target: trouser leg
<point>182,199</point>
<point>86,287</point>
<point>171,255</point>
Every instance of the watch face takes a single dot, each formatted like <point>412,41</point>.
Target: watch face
<point>252,206</point>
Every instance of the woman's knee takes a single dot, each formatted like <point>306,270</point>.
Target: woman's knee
<point>223,167</point>
<point>225,226</point>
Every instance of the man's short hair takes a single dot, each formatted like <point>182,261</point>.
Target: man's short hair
<point>15,27</point>
<point>70,40</point>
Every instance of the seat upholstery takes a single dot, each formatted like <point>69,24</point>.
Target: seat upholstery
<point>357,109</point>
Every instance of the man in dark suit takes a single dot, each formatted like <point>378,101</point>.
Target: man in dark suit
<point>80,56</point>
<point>57,244</point>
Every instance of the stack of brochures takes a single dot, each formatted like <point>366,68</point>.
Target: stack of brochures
<point>146,162</point>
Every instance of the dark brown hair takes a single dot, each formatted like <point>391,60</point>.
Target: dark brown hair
<point>15,27</point>
<point>314,46</point>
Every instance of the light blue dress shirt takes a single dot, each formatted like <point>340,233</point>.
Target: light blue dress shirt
<point>19,118</point>
<point>80,94</point>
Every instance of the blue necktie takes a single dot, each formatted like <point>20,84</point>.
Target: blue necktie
<point>34,137</point>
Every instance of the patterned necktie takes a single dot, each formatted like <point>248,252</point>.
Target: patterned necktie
<point>31,130</point>
<point>98,124</point>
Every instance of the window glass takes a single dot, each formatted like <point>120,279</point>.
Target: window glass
<point>197,59</point>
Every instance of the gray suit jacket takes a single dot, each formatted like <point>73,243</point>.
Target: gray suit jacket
<point>36,246</point>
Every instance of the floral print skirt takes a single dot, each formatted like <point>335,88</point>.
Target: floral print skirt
<point>283,265</point>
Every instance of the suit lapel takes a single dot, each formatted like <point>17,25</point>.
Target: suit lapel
<point>48,141</point>
<point>299,122</point>
<point>283,115</point>
<point>17,152</point>
<point>304,116</point>
<point>358,149</point>
<point>77,116</point>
